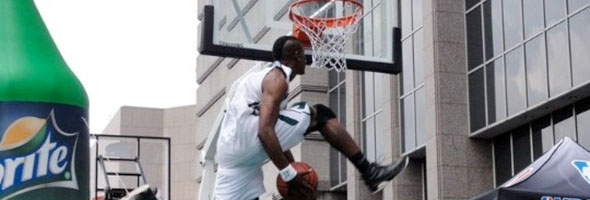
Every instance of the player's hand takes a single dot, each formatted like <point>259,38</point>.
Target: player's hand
<point>299,188</point>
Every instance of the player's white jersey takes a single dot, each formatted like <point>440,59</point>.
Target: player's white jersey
<point>239,117</point>
<point>240,154</point>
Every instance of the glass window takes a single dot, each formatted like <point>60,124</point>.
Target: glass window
<point>558,60</point>
<point>343,175</point>
<point>502,159</point>
<point>583,122</point>
<point>512,23</point>
<point>536,69</point>
<point>372,127</point>
<point>380,133</point>
<point>378,87</point>
<point>334,166</point>
<point>408,71</point>
<point>337,98</point>
<point>369,127</point>
<point>420,124</point>
<point>533,17</point>
<point>417,13</point>
<point>333,96</point>
<point>542,136</point>
<point>493,28</point>
<point>332,78</point>
<point>580,40</point>
<point>369,94</point>
<point>477,112</point>
<point>412,78</point>
<point>407,105</point>
<point>515,81</point>
<point>406,17</point>
<point>574,5</point>
<point>554,11</point>
<point>522,148</point>
<point>564,124</point>
<point>495,90</point>
<point>342,96</point>
<point>474,39</point>
<point>369,142</point>
<point>470,3</point>
<point>418,58</point>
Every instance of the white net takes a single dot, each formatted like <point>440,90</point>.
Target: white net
<point>328,24</point>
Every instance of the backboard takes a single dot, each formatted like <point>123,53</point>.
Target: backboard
<point>247,29</point>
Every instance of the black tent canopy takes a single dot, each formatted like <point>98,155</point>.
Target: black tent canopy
<point>562,173</point>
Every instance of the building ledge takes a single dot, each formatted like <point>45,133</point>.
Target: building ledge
<point>533,113</point>
<point>418,152</point>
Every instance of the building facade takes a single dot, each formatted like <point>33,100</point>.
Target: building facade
<point>176,124</point>
<point>486,87</point>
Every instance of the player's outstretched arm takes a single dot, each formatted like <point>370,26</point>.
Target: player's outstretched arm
<point>274,87</point>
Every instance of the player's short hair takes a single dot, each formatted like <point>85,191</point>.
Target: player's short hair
<point>277,48</point>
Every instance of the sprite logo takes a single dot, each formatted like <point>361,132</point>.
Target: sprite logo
<point>35,153</point>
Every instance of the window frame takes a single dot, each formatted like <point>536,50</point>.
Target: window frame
<point>410,37</point>
<point>339,83</point>
<point>526,39</point>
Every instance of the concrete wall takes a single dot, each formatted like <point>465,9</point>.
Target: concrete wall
<point>457,167</point>
<point>142,121</point>
<point>178,124</point>
<point>114,126</point>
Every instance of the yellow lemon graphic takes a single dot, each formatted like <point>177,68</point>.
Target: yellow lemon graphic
<point>21,131</point>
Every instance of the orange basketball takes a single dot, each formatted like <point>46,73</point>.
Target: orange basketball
<point>311,178</point>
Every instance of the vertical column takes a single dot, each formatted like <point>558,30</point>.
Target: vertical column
<point>456,167</point>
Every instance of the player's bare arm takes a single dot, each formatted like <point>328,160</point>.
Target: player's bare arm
<point>289,156</point>
<point>274,87</point>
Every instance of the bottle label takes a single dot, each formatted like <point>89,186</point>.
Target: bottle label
<point>42,146</point>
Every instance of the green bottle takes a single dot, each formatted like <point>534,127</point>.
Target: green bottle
<point>44,152</point>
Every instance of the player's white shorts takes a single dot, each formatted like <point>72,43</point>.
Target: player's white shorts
<point>240,156</point>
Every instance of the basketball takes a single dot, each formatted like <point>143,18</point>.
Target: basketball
<point>311,178</point>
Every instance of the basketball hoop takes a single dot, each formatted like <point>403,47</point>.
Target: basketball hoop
<point>326,25</point>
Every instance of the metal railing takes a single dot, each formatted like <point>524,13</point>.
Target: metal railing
<point>99,144</point>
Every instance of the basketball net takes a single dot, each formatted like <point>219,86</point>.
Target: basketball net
<point>326,25</point>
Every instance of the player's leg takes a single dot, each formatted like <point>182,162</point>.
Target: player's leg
<point>295,122</point>
<point>325,121</point>
<point>292,124</point>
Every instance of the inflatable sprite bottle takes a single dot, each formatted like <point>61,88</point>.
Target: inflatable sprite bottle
<point>43,113</point>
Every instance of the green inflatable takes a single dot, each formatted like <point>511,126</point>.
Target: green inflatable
<point>44,151</point>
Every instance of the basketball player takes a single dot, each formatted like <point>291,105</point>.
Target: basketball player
<point>258,125</point>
